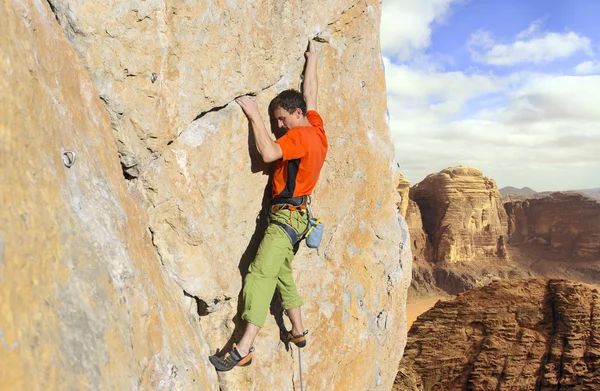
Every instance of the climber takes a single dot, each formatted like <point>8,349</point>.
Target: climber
<point>299,157</point>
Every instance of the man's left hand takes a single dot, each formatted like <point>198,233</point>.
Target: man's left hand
<point>310,51</point>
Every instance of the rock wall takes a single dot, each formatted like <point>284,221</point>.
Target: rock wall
<point>84,303</point>
<point>517,335</point>
<point>462,214</point>
<point>565,223</point>
<point>167,73</point>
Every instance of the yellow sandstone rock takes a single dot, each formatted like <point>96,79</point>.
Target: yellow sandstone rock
<point>101,263</point>
<point>520,335</point>
<point>83,301</point>
<point>565,222</point>
<point>462,215</point>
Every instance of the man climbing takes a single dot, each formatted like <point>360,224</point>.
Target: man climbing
<point>299,157</point>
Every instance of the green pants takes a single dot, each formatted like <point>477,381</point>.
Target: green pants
<point>272,268</point>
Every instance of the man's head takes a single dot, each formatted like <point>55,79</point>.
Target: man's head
<point>289,108</point>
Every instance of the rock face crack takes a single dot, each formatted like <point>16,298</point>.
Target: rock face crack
<point>214,109</point>
<point>202,307</point>
<point>342,15</point>
<point>347,14</point>
<point>591,338</point>
<point>547,358</point>
<point>53,9</point>
<point>223,106</point>
<point>156,246</point>
<point>205,307</point>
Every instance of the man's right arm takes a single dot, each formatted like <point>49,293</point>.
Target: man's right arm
<point>268,149</point>
<point>310,85</point>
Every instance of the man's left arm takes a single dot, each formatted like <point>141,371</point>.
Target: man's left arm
<point>268,149</point>
<point>310,85</point>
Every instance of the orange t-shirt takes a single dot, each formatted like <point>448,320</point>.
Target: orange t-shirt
<point>304,149</point>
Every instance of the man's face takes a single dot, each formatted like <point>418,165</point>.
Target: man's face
<point>286,120</point>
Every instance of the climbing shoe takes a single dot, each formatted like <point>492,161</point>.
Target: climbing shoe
<point>231,359</point>
<point>298,340</point>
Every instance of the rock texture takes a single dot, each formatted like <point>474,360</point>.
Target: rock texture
<point>84,303</point>
<point>565,223</point>
<point>423,277</point>
<point>404,191</point>
<point>462,215</point>
<point>512,194</point>
<point>552,236</point>
<point>461,243</point>
<point>517,335</point>
<point>167,73</point>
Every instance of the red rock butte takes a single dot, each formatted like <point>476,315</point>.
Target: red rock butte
<point>517,335</point>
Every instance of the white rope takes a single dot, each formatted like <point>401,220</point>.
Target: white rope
<point>300,369</point>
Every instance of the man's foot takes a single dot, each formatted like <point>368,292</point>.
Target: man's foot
<point>298,340</point>
<point>231,359</point>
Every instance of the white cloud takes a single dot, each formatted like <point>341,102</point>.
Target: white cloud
<point>554,98</point>
<point>525,129</point>
<point>421,84</point>
<point>533,29</point>
<point>406,25</point>
<point>588,68</point>
<point>530,46</point>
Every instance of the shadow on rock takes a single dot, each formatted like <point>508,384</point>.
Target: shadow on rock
<point>276,307</point>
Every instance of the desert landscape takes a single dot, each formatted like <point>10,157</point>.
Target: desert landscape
<point>482,259</point>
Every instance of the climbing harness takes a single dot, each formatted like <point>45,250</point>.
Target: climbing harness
<point>300,204</point>
<point>295,203</point>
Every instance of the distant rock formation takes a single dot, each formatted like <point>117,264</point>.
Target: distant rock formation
<point>512,194</point>
<point>525,191</point>
<point>423,281</point>
<point>458,229</point>
<point>423,278</point>
<point>404,191</point>
<point>592,193</point>
<point>517,335</point>
<point>473,240</point>
<point>462,215</point>
<point>564,222</point>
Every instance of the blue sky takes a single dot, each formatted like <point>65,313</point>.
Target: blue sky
<point>506,18</point>
<point>509,87</point>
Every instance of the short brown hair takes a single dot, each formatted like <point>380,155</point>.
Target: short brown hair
<point>290,100</point>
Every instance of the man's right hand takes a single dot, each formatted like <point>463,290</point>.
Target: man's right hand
<point>268,149</point>
<point>249,106</point>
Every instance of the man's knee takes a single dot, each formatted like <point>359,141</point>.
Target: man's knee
<point>292,302</point>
